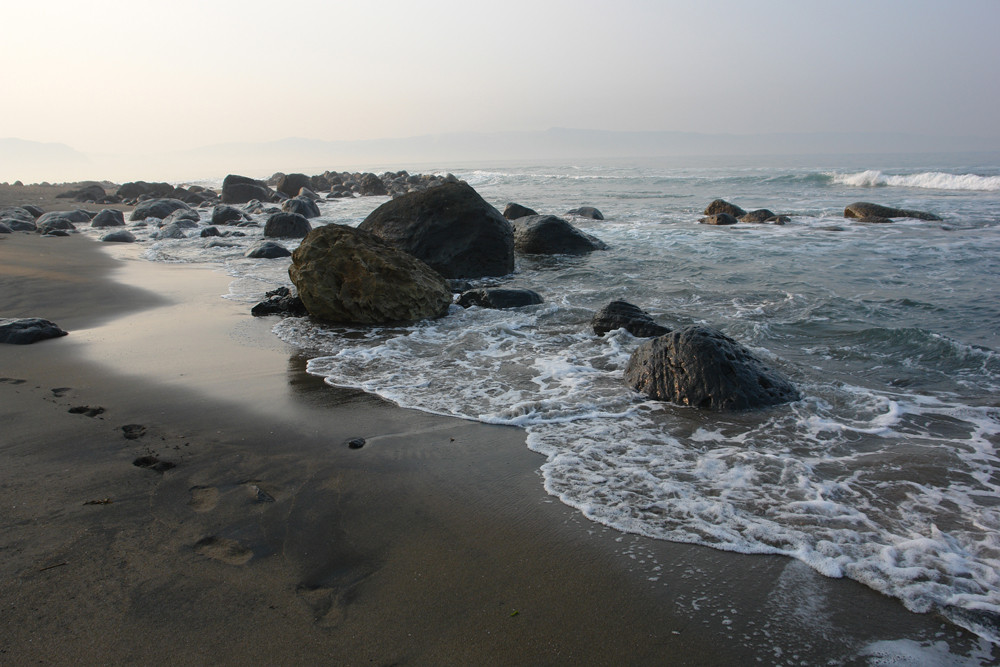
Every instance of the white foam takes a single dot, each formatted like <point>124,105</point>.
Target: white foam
<point>929,180</point>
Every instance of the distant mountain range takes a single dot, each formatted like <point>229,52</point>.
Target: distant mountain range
<point>32,161</point>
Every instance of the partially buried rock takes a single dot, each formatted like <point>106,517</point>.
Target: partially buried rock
<point>722,206</point>
<point>867,212</point>
<point>28,330</point>
<point>624,315</point>
<point>157,208</point>
<point>718,219</point>
<point>287,226</point>
<point>499,298</point>
<point>450,228</point>
<point>549,235</point>
<point>267,250</point>
<point>109,217</point>
<point>702,367</point>
<point>348,275</point>
<point>586,212</point>
<point>119,236</point>
<point>759,216</point>
<point>282,302</point>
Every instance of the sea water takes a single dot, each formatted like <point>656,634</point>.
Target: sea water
<point>886,471</point>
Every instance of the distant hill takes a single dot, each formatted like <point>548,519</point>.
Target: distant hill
<point>33,161</point>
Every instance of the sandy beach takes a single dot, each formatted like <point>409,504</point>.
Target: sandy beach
<point>253,534</point>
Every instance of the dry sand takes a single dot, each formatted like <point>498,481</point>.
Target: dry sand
<point>271,541</point>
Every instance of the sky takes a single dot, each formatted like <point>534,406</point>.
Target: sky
<point>107,76</point>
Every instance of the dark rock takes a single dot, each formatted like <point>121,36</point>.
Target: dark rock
<point>240,189</point>
<point>722,206</point>
<point>349,275</point>
<point>280,302</point>
<point>27,330</point>
<point>119,236</point>
<point>138,189</point>
<point>267,250</point>
<point>549,235</point>
<point>779,220</point>
<point>183,218</point>
<point>78,216</point>
<point>56,221</point>
<point>306,193</point>
<point>701,367</point>
<point>287,226</point>
<point>304,206</point>
<point>89,192</point>
<point>450,227</point>
<point>227,215</point>
<point>718,219</point>
<point>356,443</point>
<point>874,219</point>
<point>54,232</point>
<point>586,212</point>
<point>370,185</point>
<point>624,315</point>
<point>514,211</point>
<point>4,229</point>
<point>18,213</point>
<point>33,210</point>
<point>290,184</point>
<point>171,231</point>
<point>254,206</point>
<point>863,210</point>
<point>219,243</point>
<point>21,225</point>
<point>210,232</point>
<point>758,216</point>
<point>157,208</point>
<point>499,298</point>
<point>109,217</point>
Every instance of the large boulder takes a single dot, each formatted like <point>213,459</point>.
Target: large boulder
<point>287,226</point>
<point>88,192</point>
<point>370,185</point>
<point>348,275</point>
<point>549,235</point>
<point>703,368</point>
<point>28,330</point>
<point>624,315</point>
<point>450,227</point>
<point>761,215</point>
<point>722,206</point>
<point>77,216</point>
<point>109,217</point>
<point>499,298</point>
<point>227,215</point>
<point>241,189</point>
<point>866,211</point>
<point>304,206</point>
<point>157,208</point>
<point>266,250</point>
<point>514,211</point>
<point>290,184</point>
<point>138,189</point>
<point>119,236</point>
<point>185,218</point>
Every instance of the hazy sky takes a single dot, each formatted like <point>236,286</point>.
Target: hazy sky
<point>108,75</point>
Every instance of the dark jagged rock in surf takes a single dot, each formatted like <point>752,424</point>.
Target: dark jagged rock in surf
<point>157,208</point>
<point>624,315</point>
<point>290,184</point>
<point>109,217</point>
<point>719,219</point>
<point>282,302</point>
<point>722,206</point>
<point>586,212</point>
<point>241,189</point>
<point>287,225</point>
<point>119,236</point>
<point>27,330</point>
<point>304,206</point>
<point>499,298</point>
<point>267,250</point>
<point>550,235</point>
<point>514,211</point>
<point>759,216</point>
<point>868,212</point>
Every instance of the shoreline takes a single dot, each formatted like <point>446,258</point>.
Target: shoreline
<point>419,547</point>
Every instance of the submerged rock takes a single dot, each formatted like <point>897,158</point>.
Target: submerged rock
<point>499,298</point>
<point>119,236</point>
<point>514,211</point>
<point>624,315</point>
<point>25,331</point>
<point>550,235</point>
<point>722,206</point>
<point>450,228</point>
<point>867,212</point>
<point>349,275</point>
<point>703,368</point>
<point>718,219</point>
<point>758,216</point>
<point>586,212</point>
<point>287,225</point>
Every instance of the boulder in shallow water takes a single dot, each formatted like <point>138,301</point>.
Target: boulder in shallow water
<point>868,212</point>
<point>109,217</point>
<point>242,189</point>
<point>348,275</point>
<point>514,211</point>
<point>157,208</point>
<point>304,206</point>
<point>28,330</point>
<point>119,236</point>
<point>761,215</point>
<point>290,184</point>
<point>267,250</point>
<point>722,206</point>
<point>703,368</point>
<point>549,235</point>
<point>287,226</point>
<point>4,229</point>
<point>719,219</point>
<point>281,302</point>
<point>624,315</point>
<point>227,215</point>
<point>586,212</point>
<point>450,228</point>
<point>499,298</point>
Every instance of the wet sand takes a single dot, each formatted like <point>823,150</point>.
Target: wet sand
<point>270,540</point>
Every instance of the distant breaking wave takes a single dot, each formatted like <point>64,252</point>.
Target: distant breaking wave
<point>935,180</point>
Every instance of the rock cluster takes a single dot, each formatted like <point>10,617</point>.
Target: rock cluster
<point>721,212</point>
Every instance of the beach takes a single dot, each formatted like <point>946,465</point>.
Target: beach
<point>271,540</point>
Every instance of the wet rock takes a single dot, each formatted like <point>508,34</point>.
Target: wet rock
<point>119,236</point>
<point>624,315</point>
<point>157,208</point>
<point>109,217</point>
<point>209,232</point>
<point>89,192</point>
<point>304,206</point>
<point>136,189</point>
<point>349,275</point>
<point>267,250</point>
<point>718,219</point>
<point>290,184</point>
<point>586,212</point>
<point>25,331</point>
<point>172,231</point>
<point>514,211</point>
<point>759,216</point>
<point>549,235</point>
<point>4,229</point>
<point>867,212</point>
<point>450,228</point>
<point>227,215</point>
<point>282,302</point>
<point>286,226</point>
<point>722,206</point>
<point>703,368</point>
<point>241,189</point>
<point>499,298</point>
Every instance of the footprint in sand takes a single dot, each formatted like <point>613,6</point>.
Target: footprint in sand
<point>59,392</point>
<point>86,410</point>
<point>133,431</point>
<point>11,381</point>
<point>224,550</point>
<point>203,498</point>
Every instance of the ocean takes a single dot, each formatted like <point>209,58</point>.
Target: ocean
<point>886,471</point>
